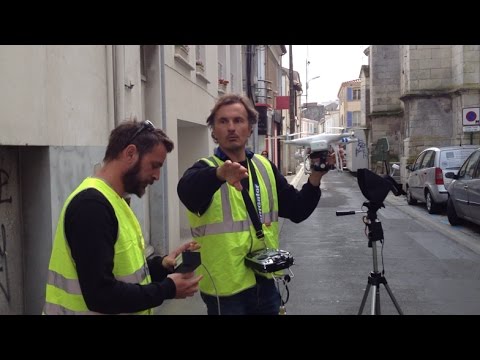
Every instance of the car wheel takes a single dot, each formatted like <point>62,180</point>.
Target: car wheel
<point>432,206</point>
<point>410,199</point>
<point>453,218</point>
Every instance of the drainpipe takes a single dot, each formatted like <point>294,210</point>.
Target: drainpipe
<point>164,177</point>
<point>261,84</point>
<point>110,88</point>
<point>119,83</point>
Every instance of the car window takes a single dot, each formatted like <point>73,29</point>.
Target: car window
<point>475,158</point>
<point>452,159</point>
<point>417,163</point>
<point>461,172</point>
<point>428,160</point>
<point>468,168</point>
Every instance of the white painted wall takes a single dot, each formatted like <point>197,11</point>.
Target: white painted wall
<point>189,100</point>
<point>53,95</point>
<point>193,140</point>
<point>62,98</point>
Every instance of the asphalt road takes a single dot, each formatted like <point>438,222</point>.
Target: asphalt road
<point>431,267</point>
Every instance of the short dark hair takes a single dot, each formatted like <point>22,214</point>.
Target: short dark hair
<point>145,140</point>
<point>230,99</point>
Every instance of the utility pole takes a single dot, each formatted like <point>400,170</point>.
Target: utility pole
<point>292,92</point>
<point>306,79</point>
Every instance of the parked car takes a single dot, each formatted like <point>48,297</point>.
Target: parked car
<point>464,191</point>
<point>427,182</point>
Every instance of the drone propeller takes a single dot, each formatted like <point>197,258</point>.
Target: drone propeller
<point>286,137</point>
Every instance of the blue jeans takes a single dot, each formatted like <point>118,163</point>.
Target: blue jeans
<point>261,299</point>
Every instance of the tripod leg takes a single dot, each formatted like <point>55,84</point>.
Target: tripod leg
<point>374,300</point>
<point>365,295</point>
<point>377,301</point>
<point>393,298</point>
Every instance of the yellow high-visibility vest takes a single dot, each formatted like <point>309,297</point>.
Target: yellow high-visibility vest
<point>63,293</point>
<point>226,233</point>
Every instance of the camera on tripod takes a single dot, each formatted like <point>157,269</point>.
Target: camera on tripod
<point>375,188</point>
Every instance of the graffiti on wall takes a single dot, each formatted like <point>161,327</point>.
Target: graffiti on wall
<point>4,181</point>
<point>361,148</point>
<point>4,281</point>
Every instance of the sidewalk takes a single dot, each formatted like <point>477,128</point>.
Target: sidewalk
<point>195,305</point>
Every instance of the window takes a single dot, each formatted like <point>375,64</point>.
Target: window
<point>182,56</point>
<point>200,55</point>
<point>428,160</point>
<point>220,70</point>
<point>417,163</point>
<point>222,57</point>
<point>353,119</point>
<point>356,118</point>
<point>470,166</point>
<point>353,94</point>
<point>356,94</point>
<point>233,60</point>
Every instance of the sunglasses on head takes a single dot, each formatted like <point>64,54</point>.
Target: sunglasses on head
<point>146,125</point>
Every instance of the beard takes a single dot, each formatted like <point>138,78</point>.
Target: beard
<point>132,182</point>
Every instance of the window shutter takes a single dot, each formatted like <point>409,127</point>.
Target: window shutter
<point>349,118</point>
<point>349,94</point>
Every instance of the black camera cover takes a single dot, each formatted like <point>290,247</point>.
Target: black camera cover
<point>375,188</point>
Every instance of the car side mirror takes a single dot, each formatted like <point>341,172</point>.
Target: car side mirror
<point>409,167</point>
<point>451,175</point>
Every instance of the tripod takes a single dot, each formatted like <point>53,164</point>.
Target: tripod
<point>375,233</point>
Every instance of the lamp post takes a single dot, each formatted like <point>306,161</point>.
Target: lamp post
<point>292,92</point>
<point>307,62</point>
<point>306,77</point>
<point>306,87</point>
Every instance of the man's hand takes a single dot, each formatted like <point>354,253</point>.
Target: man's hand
<point>169,262</point>
<point>232,173</point>
<point>316,176</point>
<point>185,284</point>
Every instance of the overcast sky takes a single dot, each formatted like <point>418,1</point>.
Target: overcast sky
<point>333,63</point>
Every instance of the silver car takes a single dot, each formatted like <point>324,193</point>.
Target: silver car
<point>427,182</point>
<point>464,192</point>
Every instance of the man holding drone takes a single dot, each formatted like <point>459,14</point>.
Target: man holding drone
<point>219,218</point>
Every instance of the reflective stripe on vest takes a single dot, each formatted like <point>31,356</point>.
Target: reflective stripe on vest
<point>228,225</point>
<point>72,286</point>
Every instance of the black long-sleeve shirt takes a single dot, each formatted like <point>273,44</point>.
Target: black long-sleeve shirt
<point>91,229</point>
<point>199,183</point>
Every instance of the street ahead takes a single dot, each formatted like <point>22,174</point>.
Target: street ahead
<point>431,267</point>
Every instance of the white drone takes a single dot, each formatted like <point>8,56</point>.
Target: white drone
<point>322,142</point>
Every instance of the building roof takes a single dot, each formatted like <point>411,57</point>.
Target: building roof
<point>347,83</point>
<point>366,70</point>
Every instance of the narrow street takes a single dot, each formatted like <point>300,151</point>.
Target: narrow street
<point>431,267</point>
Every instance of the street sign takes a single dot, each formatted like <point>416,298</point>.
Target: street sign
<point>474,128</point>
<point>471,116</point>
